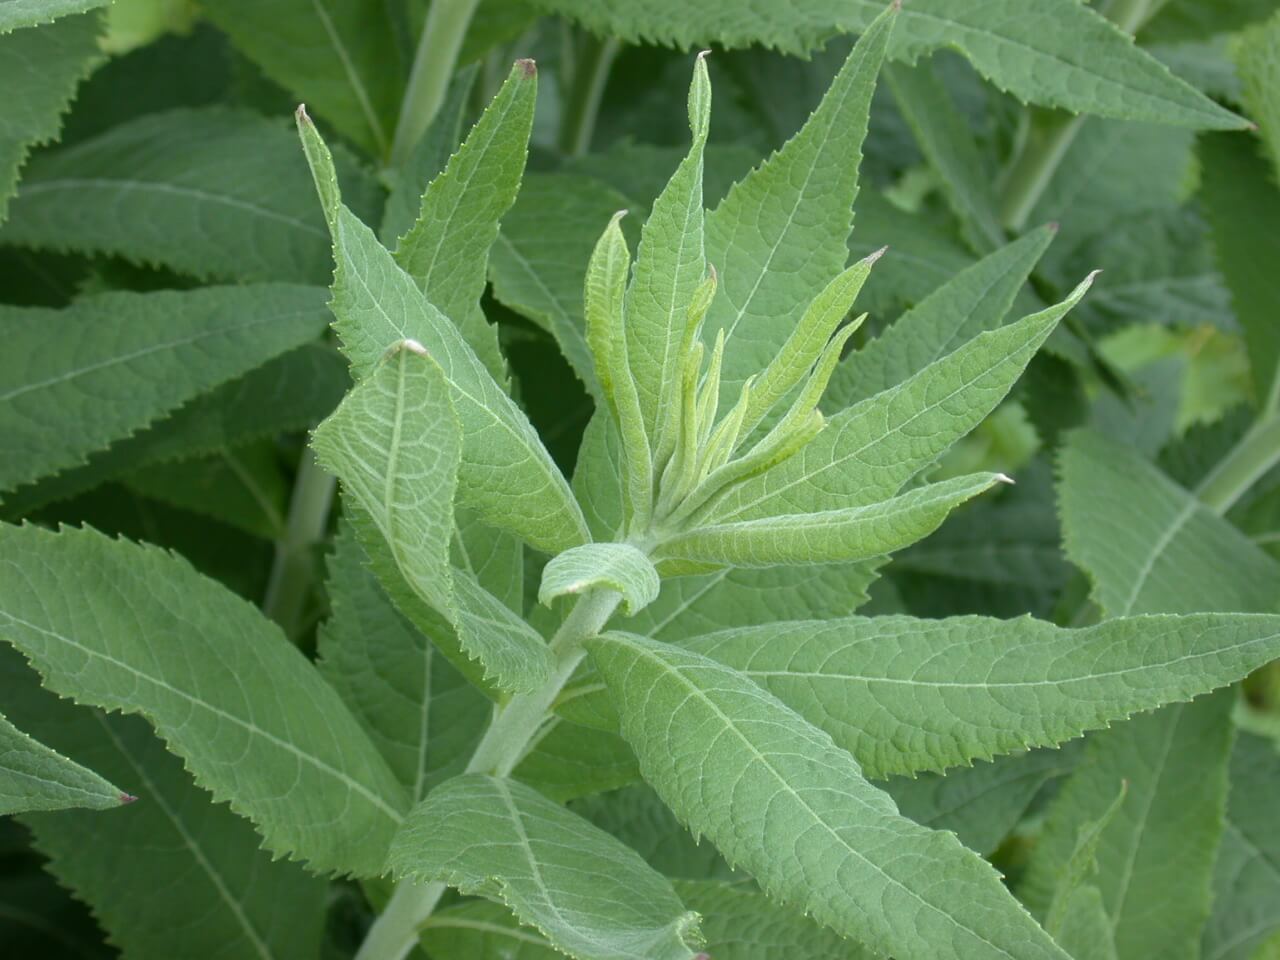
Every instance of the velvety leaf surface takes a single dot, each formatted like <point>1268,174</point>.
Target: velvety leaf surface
<point>615,566</point>
<point>147,634</point>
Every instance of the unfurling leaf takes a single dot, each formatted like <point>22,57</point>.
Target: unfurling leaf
<point>613,566</point>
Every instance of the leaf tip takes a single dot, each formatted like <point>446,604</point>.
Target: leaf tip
<point>126,799</point>
<point>528,66</point>
<point>1005,478</point>
<point>301,115</point>
<point>702,55</point>
<point>1053,226</point>
<point>875,255</point>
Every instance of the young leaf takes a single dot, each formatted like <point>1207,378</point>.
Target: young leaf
<point>778,797</point>
<point>446,251</point>
<point>35,777</point>
<point>869,451</point>
<point>614,566</point>
<point>1042,51</point>
<point>396,444</point>
<point>174,853</point>
<point>670,266</point>
<point>420,712</point>
<point>214,193</point>
<point>972,302</point>
<point>80,378</point>
<point>592,897</point>
<point>506,473</point>
<point>40,68</point>
<point>340,56</point>
<point>240,704</point>
<point>780,234</point>
<point>828,536</point>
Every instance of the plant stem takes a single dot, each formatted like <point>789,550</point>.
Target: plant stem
<point>293,569</point>
<point>582,106</point>
<point>1256,453</point>
<point>514,726</point>
<point>433,64</point>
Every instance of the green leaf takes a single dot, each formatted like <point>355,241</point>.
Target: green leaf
<point>828,536</point>
<point>972,302</point>
<point>1257,59</point>
<point>395,443</point>
<point>35,777</point>
<point>226,691</point>
<point>417,709</point>
<point>30,13</point>
<point>40,69</point>
<point>80,378</point>
<point>1042,51</point>
<point>670,266</point>
<point>740,923</point>
<point>1156,856</point>
<point>1081,864</point>
<point>506,474</point>
<point>1147,544</point>
<point>592,897</point>
<point>173,854</point>
<point>1086,929</point>
<point>446,251</point>
<point>214,193</point>
<point>1247,874</point>
<point>944,137</point>
<point>483,930</point>
<point>568,762</point>
<point>1240,195</point>
<point>780,234</point>
<point>614,566</point>
<point>778,797</point>
<point>340,56</point>
<point>870,450</point>
<point>904,695</point>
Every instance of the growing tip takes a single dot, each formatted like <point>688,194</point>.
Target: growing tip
<point>127,798</point>
<point>873,257</point>
<point>528,67</point>
<point>1004,478</point>
<point>301,114</point>
<point>617,217</point>
<point>703,54</point>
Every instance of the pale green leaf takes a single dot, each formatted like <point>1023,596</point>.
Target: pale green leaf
<point>779,798</point>
<point>829,536</point>
<point>417,709</point>
<point>226,691</point>
<point>395,443</point>
<point>904,695</point>
<point>215,193</point>
<point>1155,858</point>
<point>972,302</point>
<point>29,13</point>
<point>591,896</point>
<point>40,69</point>
<point>506,473</point>
<point>779,236</point>
<point>613,566</point>
<point>173,854</point>
<point>80,378</point>
<point>1042,51</point>
<point>340,56</point>
<point>869,451</point>
<point>945,139</point>
<point>446,251</point>
<point>1246,900</point>
<point>1147,544</point>
<point>36,777</point>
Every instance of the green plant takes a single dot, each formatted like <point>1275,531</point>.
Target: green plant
<point>487,702</point>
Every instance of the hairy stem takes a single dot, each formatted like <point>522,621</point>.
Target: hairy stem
<point>293,570</point>
<point>1256,453</point>
<point>515,724</point>
<point>433,64</point>
<point>582,106</point>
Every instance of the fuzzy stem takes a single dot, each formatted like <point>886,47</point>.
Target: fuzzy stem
<point>433,64</point>
<point>582,106</point>
<point>293,570</point>
<point>1256,453</point>
<point>515,725</point>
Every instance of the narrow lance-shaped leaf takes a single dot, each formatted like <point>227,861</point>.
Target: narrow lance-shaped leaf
<point>780,799</point>
<point>395,443</point>
<point>590,895</point>
<point>506,473</point>
<point>226,691</point>
<point>446,251</point>
<point>78,379</point>
<point>869,451</point>
<point>828,536</point>
<point>614,566</point>
<point>669,267</point>
<point>36,777</point>
<point>781,233</point>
